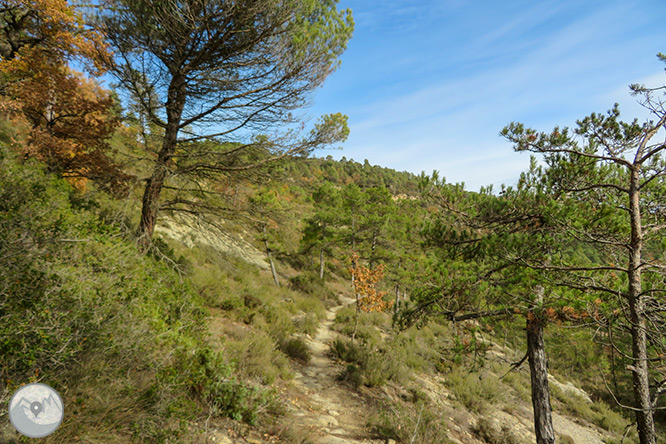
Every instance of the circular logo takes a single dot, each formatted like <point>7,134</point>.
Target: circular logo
<point>36,410</point>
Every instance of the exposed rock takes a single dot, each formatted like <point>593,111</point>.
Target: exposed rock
<point>189,232</point>
<point>569,388</point>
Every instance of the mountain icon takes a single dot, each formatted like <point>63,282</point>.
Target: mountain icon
<point>36,410</point>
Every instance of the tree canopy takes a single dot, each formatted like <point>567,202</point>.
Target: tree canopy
<point>229,71</point>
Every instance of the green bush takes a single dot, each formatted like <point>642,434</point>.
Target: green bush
<point>419,423</point>
<point>348,351</point>
<point>215,381</point>
<point>255,356</point>
<point>369,367</point>
<point>297,349</point>
<point>488,432</point>
<point>309,282</point>
<point>475,391</point>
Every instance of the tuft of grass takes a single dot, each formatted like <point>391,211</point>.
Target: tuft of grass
<point>255,356</point>
<point>475,391</point>
<point>486,429</point>
<point>297,349</point>
<point>417,423</point>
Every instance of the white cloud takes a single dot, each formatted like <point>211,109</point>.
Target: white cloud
<point>452,124</point>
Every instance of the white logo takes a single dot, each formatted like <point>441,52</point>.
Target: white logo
<point>36,410</point>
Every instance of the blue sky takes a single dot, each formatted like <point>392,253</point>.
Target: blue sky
<point>429,84</point>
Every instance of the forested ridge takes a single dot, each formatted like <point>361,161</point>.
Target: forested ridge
<point>178,254</point>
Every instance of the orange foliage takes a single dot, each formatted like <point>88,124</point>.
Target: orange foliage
<point>365,286</point>
<point>52,26</point>
<point>69,117</point>
<point>570,314</point>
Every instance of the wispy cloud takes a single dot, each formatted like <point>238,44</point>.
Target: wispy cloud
<point>442,104</point>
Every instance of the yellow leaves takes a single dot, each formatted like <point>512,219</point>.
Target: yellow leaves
<point>365,285</point>
<point>51,26</point>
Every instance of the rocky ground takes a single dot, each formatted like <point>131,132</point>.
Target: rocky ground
<point>331,412</point>
<point>334,413</point>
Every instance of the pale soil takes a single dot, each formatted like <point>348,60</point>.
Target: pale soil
<point>328,411</point>
<point>335,414</point>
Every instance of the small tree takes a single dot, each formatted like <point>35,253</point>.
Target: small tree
<point>368,296</point>
<point>320,231</point>
<point>473,274</point>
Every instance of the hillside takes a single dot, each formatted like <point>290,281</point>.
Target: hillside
<point>179,265</point>
<point>162,347</point>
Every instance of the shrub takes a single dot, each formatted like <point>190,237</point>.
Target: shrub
<point>488,432</point>
<point>256,356</point>
<point>309,282</point>
<point>352,374</point>
<point>214,381</point>
<point>297,349</point>
<point>348,351</point>
<point>475,391</point>
<point>419,423</point>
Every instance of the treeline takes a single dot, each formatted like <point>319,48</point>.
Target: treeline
<point>315,170</point>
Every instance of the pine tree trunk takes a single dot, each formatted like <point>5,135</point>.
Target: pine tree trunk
<point>639,370</point>
<point>270,258</point>
<point>150,202</point>
<point>536,354</point>
<point>151,195</point>
<point>372,250</point>
<point>353,245</point>
<point>321,264</point>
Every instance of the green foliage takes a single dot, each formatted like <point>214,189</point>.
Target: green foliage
<point>297,349</point>
<point>217,383</point>
<point>373,361</point>
<point>475,391</point>
<point>255,356</point>
<point>486,429</point>
<point>419,422</point>
<point>81,309</point>
<point>308,282</point>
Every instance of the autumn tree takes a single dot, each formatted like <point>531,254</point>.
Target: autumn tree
<point>69,117</point>
<point>45,25</point>
<point>368,296</point>
<point>223,71</point>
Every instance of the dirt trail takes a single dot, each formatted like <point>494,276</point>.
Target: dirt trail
<point>336,415</point>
